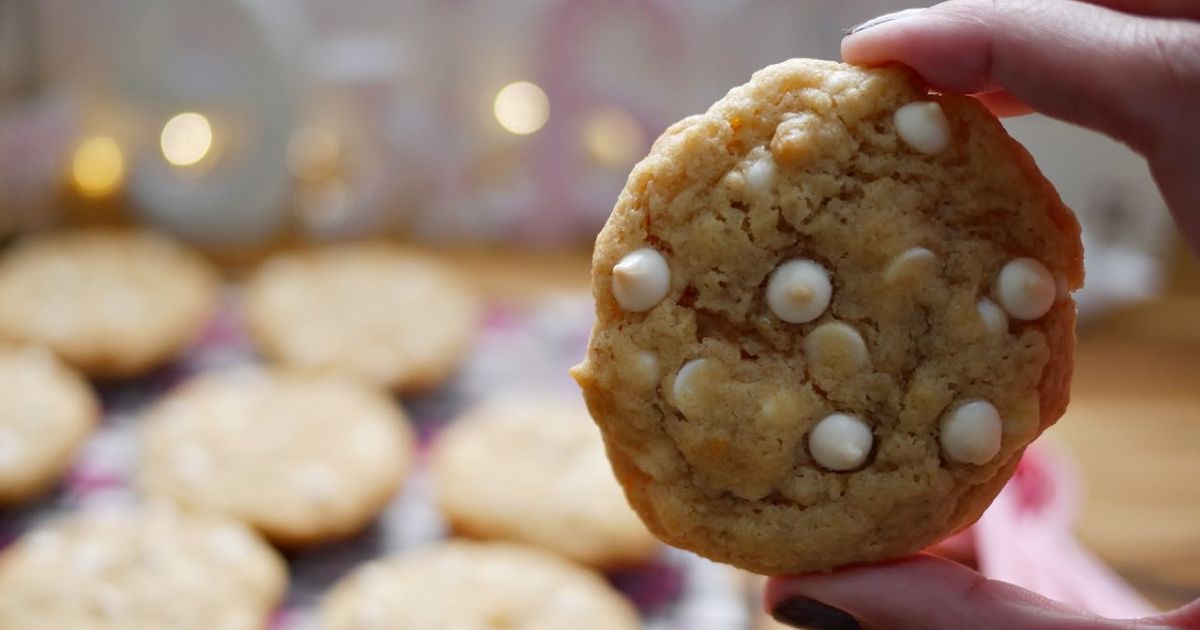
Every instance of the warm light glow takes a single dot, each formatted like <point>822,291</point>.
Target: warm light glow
<point>98,166</point>
<point>613,137</point>
<point>521,108</point>
<point>313,153</point>
<point>186,139</point>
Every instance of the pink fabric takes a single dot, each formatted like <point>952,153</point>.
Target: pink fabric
<point>1026,538</point>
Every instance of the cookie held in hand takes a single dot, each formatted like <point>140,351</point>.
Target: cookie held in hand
<point>832,311</point>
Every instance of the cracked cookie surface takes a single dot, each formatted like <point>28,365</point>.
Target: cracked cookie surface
<point>831,313</point>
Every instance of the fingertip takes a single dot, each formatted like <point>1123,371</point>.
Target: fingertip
<point>922,40</point>
<point>1003,104</point>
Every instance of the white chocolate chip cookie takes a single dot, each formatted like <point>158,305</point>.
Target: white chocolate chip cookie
<point>302,458</point>
<point>393,317</point>
<point>463,584</point>
<point>113,304</point>
<point>867,317</point>
<point>46,411</point>
<point>150,567</point>
<point>534,472</point>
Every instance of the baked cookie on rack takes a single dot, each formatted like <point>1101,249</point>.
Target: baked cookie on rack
<point>114,304</point>
<point>461,584</point>
<point>391,316</point>
<point>831,312</point>
<point>532,470</point>
<point>46,412</point>
<point>302,458</point>
<point>146,567</point>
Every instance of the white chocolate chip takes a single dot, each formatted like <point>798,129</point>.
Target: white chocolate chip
<point>971,433</point>
<point>191,461</point>
<point>923,126</point>
<point>231,545</point>
<point>646,368</point>
<point>913,264</point>
<point>799,291</point>
<point>1026,289</point>
<point>10,448</point>
<point>641,279</point>
<point>838,346</point>
<point>993,317</point>
<point>317,483</point>
<point>840,442</point>
<point>90,558</point>
<point>689,381</point>
<point>760,175</point>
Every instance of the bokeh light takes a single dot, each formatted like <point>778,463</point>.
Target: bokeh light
<point>313,153</point>
<point>98,166</point>
<point>613,136</point>
<point>186,139</point>
<point>521,108</point>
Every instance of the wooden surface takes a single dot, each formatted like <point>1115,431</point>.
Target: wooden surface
<point>1133,426</point>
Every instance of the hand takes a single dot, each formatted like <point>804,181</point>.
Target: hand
<point>932,593</point>
<point>1127,68</point>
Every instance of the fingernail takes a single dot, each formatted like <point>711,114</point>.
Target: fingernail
<point>803,612</point>
<point>884,19</point>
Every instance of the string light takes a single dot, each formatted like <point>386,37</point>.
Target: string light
<point>521,108</point>
<point>186,139</point>
<point>613,137</point>
<point>98,166</point>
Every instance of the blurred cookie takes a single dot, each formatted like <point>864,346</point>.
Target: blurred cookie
<point>463,584</point>
<point>534,472</point>
<point>396,318</point>
<point>142,568</point>
<point>832,311</point>
<point>301,458</point>
<point>46,412</point>
<point>113,304</point>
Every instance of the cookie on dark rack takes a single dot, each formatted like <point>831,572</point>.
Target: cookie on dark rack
<point>149,567</point>
<point>114,304</point>
<point>302,458</point>
<point>832,311</point>
<point>388,315</point>
<point>532,470</point>
<point>462,584</point>
<point>46,412</point>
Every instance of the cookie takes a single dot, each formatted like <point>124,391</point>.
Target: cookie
<point>149,567</point>
<point>831,312</point>
<point>462,584</point>
<point>394,317</point>
<point>533,471</point>
<point>46,411</point>
<point>302,458</point>
<point>114,304</point>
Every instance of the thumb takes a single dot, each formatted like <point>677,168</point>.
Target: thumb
<point>1131,77</point>
<point>923,592</point>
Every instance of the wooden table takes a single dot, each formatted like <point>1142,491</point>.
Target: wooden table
<point>1133,425</point>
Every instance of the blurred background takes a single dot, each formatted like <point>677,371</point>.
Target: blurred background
<point>498,134</point>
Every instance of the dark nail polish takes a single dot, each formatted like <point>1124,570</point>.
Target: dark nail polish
<point>884,19</point>
<point>803,612</point>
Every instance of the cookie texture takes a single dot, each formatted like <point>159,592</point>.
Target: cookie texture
<point>534,471</point>
<point>394,317</point>
<point>302,458</point>
<point>46,411</point>
<point>867,318</point>
<point>463,584</point>
<point>148,567</point>
<point>114,304</point>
